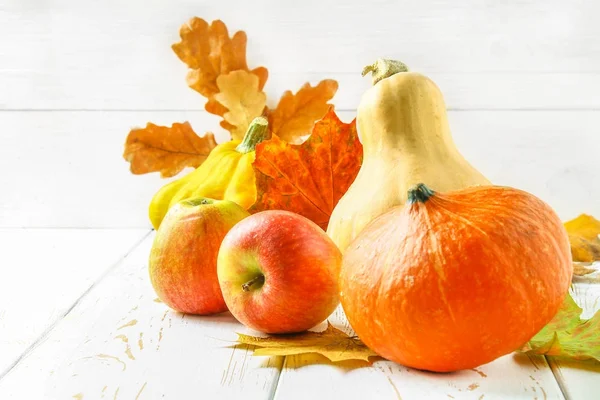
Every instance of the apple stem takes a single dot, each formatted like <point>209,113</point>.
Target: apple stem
<point>260,279</point>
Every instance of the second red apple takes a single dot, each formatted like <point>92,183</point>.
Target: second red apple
<point>278,272</point>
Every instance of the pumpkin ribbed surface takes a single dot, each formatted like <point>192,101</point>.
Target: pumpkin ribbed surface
<point>452,281</point>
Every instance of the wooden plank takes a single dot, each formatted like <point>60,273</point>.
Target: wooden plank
<point>580,379</point>
<point>71,169</point>
<point>89,55</point>
<point>46,271</point>
<point>511,376</point>
<point>64,157</point>
<point>462,91</point>
<point>119,342</point>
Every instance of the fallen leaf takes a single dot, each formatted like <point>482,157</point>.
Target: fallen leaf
<point>296,114</point>
<point>583,235</point>
<point>209,52</point>
<point>331,343</point>
<point>567,335</point>
<point>581,269</point>
<point>168,150</point>
<point>310,178</point>
<point>240,95</point>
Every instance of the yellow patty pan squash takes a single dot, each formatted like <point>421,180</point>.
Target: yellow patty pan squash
<point>226,174</point>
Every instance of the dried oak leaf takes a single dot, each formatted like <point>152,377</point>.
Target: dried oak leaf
<point>581,268</point>
<point>296,113</point>
<point>331,343</point>
<point>242,98</point>
<point>567,335</point>
<point>168,150</point>
<point>209,52</point>
<point>583,235</point>
<point>310,178</point>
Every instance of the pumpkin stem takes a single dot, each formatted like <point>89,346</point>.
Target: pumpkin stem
<point>256,133</point>
<point>419,194</point>
<point>383,68</point>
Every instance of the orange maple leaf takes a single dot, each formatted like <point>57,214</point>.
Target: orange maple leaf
<point>296,113</point>
<point>209,52</point>
<point>168,150</point>
<point>310,178</point>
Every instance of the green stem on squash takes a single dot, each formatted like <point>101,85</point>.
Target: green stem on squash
<point>256,133</point>
<point>419,194</point>
<point>383,68</point>
<point>257,280</point>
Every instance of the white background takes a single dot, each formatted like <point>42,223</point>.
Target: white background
<point>521,81</point>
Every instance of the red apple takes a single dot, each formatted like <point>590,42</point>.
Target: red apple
<point>279,272</point>
<point>183,259</point>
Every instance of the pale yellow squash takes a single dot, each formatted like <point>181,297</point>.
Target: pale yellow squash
<point>406,140</point>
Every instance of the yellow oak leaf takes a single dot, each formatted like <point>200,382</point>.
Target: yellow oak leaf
<point>240,94</point>
<point>331,343</point>
<point>583,235</point>
<point>168,150</point>
<point>296,114</point>
<point>209,52</point>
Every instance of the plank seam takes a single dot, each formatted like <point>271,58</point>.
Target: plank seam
<point>557,376</point>
<point>201,110</point>
<point>273,393</point>
<point>51,327</point>
<point>80,228</point>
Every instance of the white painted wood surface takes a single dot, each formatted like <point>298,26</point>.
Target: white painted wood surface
<point>92,70</point>
<point>73,174</point>
<point>86,54</point>
<point>512,376</point>
<point>119,342</point>
<point>45,271</point>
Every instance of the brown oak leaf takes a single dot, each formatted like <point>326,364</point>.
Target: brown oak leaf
<point>167,150</point>
<point>331,343</point>
<point>310,178</point>
<point>240,95</point>
<point>209,52</point>
<point>583,235</point>
<point>295,114</point>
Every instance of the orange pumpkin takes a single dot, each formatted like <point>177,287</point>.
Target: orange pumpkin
<point>452,281</point>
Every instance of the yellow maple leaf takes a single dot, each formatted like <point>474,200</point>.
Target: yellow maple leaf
<point>331,343</point>
<point>166,149</point>
<point>296,114</point>
<point>240,94</point>
<point>583,235</point>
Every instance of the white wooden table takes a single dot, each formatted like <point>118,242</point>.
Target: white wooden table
<point>90,327</point>
<point>78,318</point>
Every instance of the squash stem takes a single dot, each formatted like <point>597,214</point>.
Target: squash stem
<point>256,133</point>
<point>419,194</point>
<point>383,68</point>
